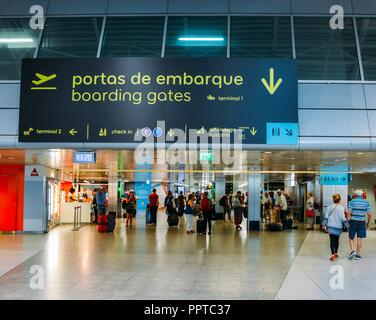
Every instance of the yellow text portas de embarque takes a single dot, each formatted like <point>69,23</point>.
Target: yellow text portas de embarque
<point>138,81</point>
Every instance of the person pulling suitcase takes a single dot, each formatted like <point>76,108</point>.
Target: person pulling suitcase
<point>206,209</point>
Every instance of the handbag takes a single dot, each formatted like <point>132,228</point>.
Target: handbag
<point>344,228</point>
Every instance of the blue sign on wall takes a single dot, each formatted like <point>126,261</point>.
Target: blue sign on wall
<point>142,185</point>
<point>337,179</point>
<point>282,133</point>
<point>331,177</point>
<point>84,157</point>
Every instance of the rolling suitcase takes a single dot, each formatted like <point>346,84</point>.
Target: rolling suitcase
<point>201,226</point>
<point>148,216</point>
<point>173,220</point>
<point>102,223</point>
<point>111,221</point>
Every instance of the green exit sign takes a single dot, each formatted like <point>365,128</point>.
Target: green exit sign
<point>206,156</point>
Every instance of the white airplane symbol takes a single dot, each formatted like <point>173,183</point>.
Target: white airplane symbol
<point>43,78</point>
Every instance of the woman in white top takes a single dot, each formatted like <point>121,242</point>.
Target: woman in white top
<point>310,212</point>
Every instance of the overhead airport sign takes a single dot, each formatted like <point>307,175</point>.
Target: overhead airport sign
<point>116,99</point>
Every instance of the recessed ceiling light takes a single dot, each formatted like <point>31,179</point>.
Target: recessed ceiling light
<point>292,158</point>
<point>360,153</point>
<point>11,158</point>
<point>261,159</point>
<point>267,152</point>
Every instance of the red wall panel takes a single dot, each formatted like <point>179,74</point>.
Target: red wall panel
<point>11,192</point>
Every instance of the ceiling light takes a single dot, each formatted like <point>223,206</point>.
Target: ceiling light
<point>15,40</point>
<point>200,39</point>
<point>11,158</point>
<point>267,152</point>
<point>292,158</point>
<point>360,153</point>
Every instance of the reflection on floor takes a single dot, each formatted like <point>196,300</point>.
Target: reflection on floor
<point>151,263</point>
<point>311,273</point>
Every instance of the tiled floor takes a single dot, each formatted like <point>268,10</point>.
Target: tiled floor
<point>150,263</point>
<point>311,272</point>
<point>163,263</point>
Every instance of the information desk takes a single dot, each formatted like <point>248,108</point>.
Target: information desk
<point>67,212</point>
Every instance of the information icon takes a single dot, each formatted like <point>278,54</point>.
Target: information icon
<point>157,132</point>
<point>146,132</point>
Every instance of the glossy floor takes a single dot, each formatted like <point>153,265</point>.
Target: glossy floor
<point>162,263</point>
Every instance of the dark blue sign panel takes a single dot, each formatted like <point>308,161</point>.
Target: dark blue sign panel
<point>84,157</point>
<point>114,99</point>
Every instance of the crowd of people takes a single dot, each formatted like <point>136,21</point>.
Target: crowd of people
<point>356,219</point>
<point>198,204</point>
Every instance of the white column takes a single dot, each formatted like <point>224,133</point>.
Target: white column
<point>254,205</point>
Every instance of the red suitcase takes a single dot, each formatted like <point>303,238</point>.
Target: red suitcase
<point>102,223</point>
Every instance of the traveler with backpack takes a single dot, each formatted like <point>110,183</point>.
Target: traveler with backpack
<point>238,210</point>
<point>333,224</point>
<point>189,213</point>
<point>206,209</point>
<point>181,204</point>
<point>226,205</point>
<point>310,212</point>
<point>173,219</point>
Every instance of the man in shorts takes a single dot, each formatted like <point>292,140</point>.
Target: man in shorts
<point>357,214</point>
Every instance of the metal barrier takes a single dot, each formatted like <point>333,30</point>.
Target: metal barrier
<point>77,218</point>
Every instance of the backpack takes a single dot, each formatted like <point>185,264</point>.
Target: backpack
<point>222,201</point>
<point>316,205</point>
<point>124,205</point>
<point>168,201</point>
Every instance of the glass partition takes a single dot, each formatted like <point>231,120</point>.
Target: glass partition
<point>324,53</point>
<point>70,37</point>
<point>367,42</point>
<point>261,37</point>
<point>17,41</point>
<point>133,37</point>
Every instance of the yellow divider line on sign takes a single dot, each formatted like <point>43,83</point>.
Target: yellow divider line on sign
<point>43,88</point>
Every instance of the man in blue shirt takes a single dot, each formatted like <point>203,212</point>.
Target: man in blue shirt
<point>357,214</point>
<point>101,200</point>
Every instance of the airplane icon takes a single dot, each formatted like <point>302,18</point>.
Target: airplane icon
<point>43,78</point>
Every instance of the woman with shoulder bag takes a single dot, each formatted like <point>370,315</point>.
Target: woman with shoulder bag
<point>333,224</point>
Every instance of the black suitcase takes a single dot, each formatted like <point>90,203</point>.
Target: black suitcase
<point>275,227</point>
<point>201,226</point>
<point>173,220</point>
<point>111,221</point>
